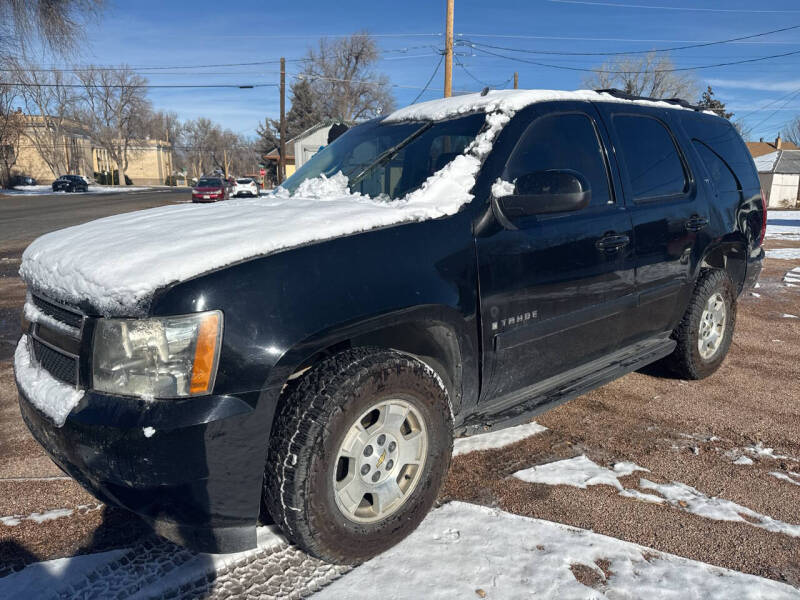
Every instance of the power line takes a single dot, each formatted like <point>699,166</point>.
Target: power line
<point>773,113</point>
<point>613,72</point>
<point>655,50</point>
<point>244,86</point>
<point>596,39</point>
<point>430,79</point>
<point>689,8</point>
<point>768,104</point>
<point>480,82</point>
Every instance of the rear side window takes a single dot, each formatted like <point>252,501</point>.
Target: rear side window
<point>563,141</point>
<point>721,137</point>
<point>654,166</point>
<point>721,175</point>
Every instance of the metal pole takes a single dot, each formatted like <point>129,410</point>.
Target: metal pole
<point>516,80</point>
<point>448,51</point>
<point>282,150</point>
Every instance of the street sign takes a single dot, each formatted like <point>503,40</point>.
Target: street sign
<point>262,172</point>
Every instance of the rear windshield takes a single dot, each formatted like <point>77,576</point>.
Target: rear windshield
<point>244,181</point>
<point>209,183</point>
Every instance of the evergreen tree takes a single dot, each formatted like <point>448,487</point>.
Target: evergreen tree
<point>304,113</point>
<point>708,102</point>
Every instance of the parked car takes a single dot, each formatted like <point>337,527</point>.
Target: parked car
<point>70,183</point>
<point>456,267</point>
<point>245,187</point>
<point>211,189</point>
<point>24,180</point>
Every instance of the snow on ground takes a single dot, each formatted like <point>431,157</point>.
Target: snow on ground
<point>791,476</point>
<point>83,263</point>
<point>38,190</point>
<point>467,551</point>
<point>582,472</point>
<point>792,278</point>
<point>48,515</point>
<point>49,395</point>
<point>496,439</point>
<point>783,224</point>
<point>784,253</point>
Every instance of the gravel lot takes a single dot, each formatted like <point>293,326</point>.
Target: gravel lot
<point>695,433</point>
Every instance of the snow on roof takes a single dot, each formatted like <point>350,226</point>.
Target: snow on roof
<point>766,162</point>
<point>118,262</point>
<point>507,101</point>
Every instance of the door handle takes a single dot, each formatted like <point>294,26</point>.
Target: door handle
<point>696,223</point>
<point>612,242</point>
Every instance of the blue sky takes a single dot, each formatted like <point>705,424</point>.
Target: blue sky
<point>148,33</point>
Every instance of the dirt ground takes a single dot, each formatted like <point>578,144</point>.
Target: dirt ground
<point>688,432</point>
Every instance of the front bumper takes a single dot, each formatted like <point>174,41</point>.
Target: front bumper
<point>197,479</point>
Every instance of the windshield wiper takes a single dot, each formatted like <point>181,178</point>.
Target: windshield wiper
<point>390,153</point>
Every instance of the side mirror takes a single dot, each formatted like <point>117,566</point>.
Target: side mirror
<point>545,192</point>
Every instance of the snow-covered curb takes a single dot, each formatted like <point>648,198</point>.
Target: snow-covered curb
<point>41,190</point>
<point>52,397</point>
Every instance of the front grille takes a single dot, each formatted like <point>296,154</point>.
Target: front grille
<point>59,365</point>
<point>73,319</point>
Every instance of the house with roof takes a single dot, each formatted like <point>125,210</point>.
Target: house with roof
<point>778,167</point>
<point>302,147</point>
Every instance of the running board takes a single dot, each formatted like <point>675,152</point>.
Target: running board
<point>519,407</point>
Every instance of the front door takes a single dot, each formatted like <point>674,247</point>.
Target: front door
<point>554,288</point>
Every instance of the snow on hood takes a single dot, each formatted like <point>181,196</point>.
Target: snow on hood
<point>506,101</point>
<point>117,263</point>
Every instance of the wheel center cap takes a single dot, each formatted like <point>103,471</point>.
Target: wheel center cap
<point>378,458</point>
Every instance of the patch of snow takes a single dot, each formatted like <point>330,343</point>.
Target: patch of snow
<point>462,548</point>
<point>93,262</point>
<point>755,295</point>
<point>148,432</point>
<point>507,101</point>
<point>787,477</point>
<point>788,316</point>
<point>691,500</point>
<point>48,515</point>
<point>501,188</point>
<point>496,439</point>
<point>760,450</point>
<point>37,580</point>
<point>784,253</point>
<point>34,315</point>
<point>579,472</point>
<point>40,190</point>
<point>743,460</point>
<point>52,397</point>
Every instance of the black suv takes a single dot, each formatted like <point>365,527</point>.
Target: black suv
<point>70,183</point>
<point>458,266</point>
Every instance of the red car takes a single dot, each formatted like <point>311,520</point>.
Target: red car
<point>210,189</point>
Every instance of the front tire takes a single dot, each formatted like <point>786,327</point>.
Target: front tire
<point>705,333</point>
<point>358,453</point>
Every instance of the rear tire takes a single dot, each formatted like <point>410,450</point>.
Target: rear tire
<point>339,453</point>
<point>705,333</point>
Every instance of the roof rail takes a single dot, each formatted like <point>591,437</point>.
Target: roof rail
<point>626,96</point>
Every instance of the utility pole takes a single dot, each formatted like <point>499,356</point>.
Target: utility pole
<point>225,161</point>
<point>282,150</point>
<point>516,80</point>
<point>448,51</point>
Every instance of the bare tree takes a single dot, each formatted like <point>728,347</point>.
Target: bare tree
<point>792,131</point>
<point>116,111</point>
<point>12,123</point>
<point>650,75</point>
<point>54,23</point>
<point>50,105</point>
<point>342,76</point>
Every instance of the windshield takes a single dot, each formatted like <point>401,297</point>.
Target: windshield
<point>209,183</point>
<point>390,159</point>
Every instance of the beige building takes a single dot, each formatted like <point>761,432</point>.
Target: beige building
<point>41,156</point>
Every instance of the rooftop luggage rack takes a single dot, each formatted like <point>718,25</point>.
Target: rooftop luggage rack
<point>626,96</point>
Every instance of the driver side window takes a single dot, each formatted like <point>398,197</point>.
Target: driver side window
<point>567,142</point>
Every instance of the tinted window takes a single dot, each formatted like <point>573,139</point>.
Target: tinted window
<point>721,137</point>
<point>562,142</point>
<point>244,181</point>
<point>723,178</point>
<point>654,166</point>
<point>209,183</point>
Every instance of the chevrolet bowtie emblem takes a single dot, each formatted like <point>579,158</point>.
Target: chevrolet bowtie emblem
<point>381,459</point>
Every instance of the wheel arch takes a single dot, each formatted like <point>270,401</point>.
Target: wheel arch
<point>730,255</point>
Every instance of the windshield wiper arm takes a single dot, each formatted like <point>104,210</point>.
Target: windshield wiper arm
<point>390,153</point>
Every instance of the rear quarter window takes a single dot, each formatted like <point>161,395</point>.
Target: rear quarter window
<point>723,139</point>
<point>718,170</point>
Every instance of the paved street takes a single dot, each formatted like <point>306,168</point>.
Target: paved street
<point>23,218</point>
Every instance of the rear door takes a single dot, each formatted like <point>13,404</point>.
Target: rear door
<point>669,210</point>
<point>553,288</point>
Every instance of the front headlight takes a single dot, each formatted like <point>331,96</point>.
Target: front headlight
<point>166,357</point>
